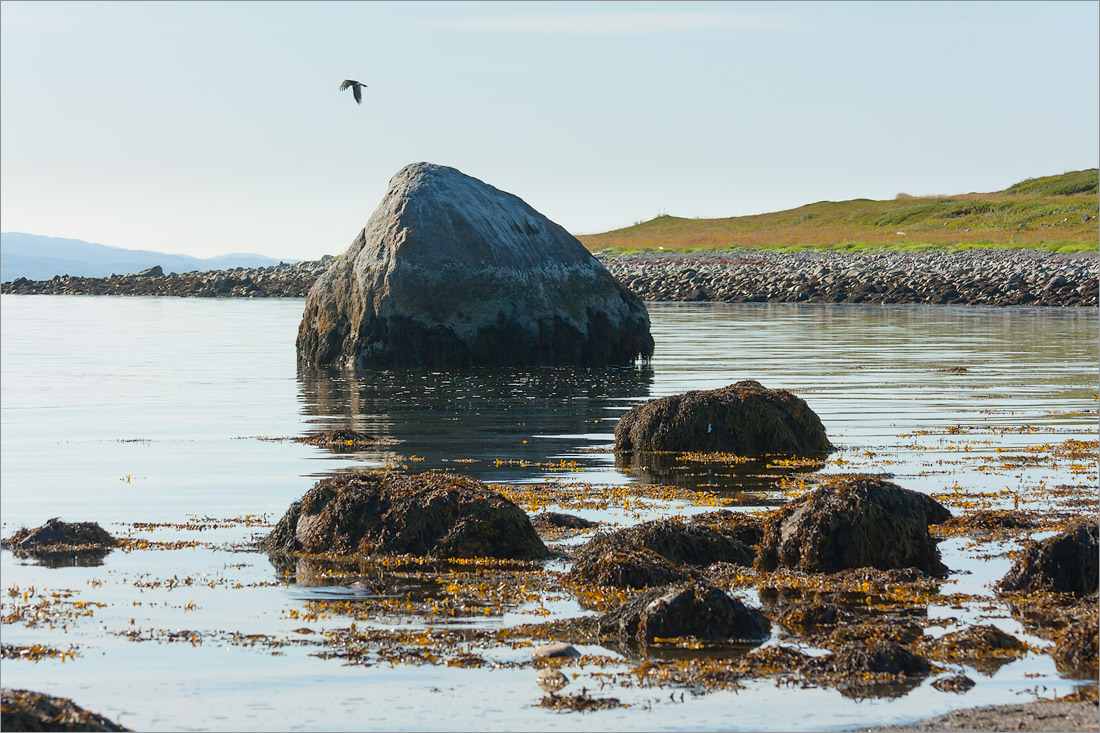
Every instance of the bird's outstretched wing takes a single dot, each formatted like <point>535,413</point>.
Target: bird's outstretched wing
<point>356,89</point>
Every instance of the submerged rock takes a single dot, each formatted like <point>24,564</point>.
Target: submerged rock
<point>429,514</point>
<point>548,521</point>
<point>557,650</point>
<point>649,554</point>
<point>451,272</point>
<point>695,610</point>
<point>339,438</point>
<point>745,419</point>
<point>34,711</point>
<point>852,523</point>
<point>1068,563</point>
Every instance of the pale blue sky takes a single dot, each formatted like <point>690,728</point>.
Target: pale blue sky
<point>211,127</point>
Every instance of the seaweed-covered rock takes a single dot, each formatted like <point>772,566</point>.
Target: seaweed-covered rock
<point>62,544</point>
<point>339,438</point>
<point>429,514</point>
<point>628,567</point>
<point>58,536</point>
<point>552,521</point>
<point>647,554</point>
<point>695,610</point>
<point>34,711</point>
<point>851,523</point>
<point>745,419</point>
<point>748,529</point>
<point>957,683</point>
<point>981,640</point>
<point>810,615</point>
<point>451,272</point>
<point>1067,563</point>
<point>882,657</point>
<point>1077,648</point>
<point>989,520</point>
<point>983,647</point>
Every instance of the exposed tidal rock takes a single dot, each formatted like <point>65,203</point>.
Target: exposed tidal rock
<point>811,615</point>
<point>430,514</point>
<point>852,523</point>
<point>745,419</point>
<point>62,544</point>
<point>882,657</point>
<point>1067,563</point>
<point>651,553</point>
<point>984,647</point>
<point>694,610</point>
<point>451,272</point>
<point>957,683</point>
<point>35,711</point>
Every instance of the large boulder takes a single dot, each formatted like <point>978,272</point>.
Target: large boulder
<point>451,272</point>
<point>431,514</point>
<point>853,523</point>
<point>746,419</point>
<point>1068,563</point>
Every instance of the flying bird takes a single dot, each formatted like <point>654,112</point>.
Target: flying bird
<point>356,89</point>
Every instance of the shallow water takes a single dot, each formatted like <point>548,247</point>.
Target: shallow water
<point>148,410</point>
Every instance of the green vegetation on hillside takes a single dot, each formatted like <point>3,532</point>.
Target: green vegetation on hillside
<point>1058,213</point>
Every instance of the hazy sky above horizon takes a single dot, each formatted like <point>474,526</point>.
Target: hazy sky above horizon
<point>214,127</point>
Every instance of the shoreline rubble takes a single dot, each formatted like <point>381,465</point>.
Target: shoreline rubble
<point>973,277</point>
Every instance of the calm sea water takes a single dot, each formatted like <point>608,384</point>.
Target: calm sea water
<point>123,410</point>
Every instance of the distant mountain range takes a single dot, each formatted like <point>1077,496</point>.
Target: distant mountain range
<point>40,258</point>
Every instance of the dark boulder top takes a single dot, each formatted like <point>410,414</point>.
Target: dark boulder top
<point>451,272</point>
<point>432,514</point>
<point>854,523</point>
<point>745,419</point>
<point>1066,563</point>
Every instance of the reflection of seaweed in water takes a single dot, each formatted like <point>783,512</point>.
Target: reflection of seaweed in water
<point>65,558</point>
<point>719,475</point>
<point>479,413</point>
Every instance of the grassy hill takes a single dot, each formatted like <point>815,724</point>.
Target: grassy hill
<point>1058,213</point>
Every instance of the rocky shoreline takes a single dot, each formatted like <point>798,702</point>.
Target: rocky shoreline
<point>275,281</point>
<point>975,277</point>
